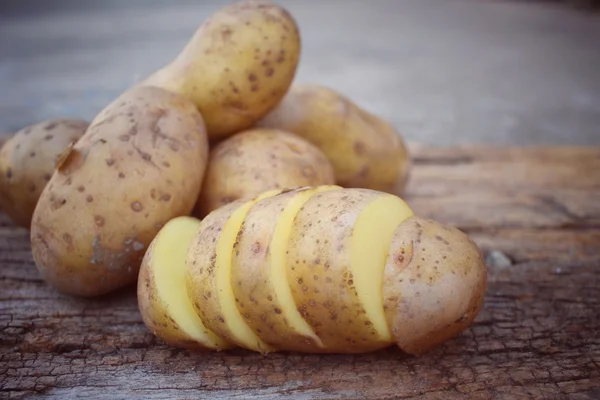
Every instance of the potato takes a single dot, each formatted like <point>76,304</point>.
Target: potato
<point>261,289</point>
<point>258,160</point>
<point>208,275</point>
<point>237,66</point>
<point>27,162</point>
<point>434,286</point>
<point>366,151</point>
<point>163,301</point>
<point>331,270</point>
<point>140,164</point>
<point>335,260</point>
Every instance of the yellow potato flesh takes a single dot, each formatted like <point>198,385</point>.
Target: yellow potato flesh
<point>371,240</point>
<point>278,275</point>
<point>237,327</point>
<point>168,264</point>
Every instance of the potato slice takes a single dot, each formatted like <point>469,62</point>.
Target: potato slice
<point>208,274</point>
<point>435,280</point>
<point>165,307</point>
<point>338,246</point>
<point>260,282</point>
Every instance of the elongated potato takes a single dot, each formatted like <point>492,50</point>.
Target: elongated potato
<point>261,286</point>
<point>237,66</point>
<point>332,270</point>
<point>434,285</point>
<point>139,164</point>
<point>365,151</point>
<point>257,160</point>
<point>163,301</point>
<point>208,275</point>
<point>27,162</point>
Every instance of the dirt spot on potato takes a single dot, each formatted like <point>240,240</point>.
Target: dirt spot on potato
<point>99,221</point>
<point>359,148</point>
<point>308,172</point>
<point>281,57</point>
<point>236,105</point>
<point>165,197</point>
<point>51,126</point>
<point>68,240</point>
<point>256,247</point>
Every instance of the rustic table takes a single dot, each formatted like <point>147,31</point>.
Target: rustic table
<point>500,73</point>
<point>534,211</point>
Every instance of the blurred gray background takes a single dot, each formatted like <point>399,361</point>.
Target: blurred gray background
<point>444,72</point>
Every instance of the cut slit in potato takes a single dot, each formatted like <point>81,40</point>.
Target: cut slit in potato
<point>163,272</point>
<point>234,320</point>
<point>370,246</point>
<point>208,274</point>
<point>260,280</point>
<point>278,274</point>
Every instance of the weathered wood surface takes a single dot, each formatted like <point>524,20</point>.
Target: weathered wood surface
<point>536,214</point>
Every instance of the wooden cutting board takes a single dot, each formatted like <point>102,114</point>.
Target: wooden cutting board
<point>534,211</point>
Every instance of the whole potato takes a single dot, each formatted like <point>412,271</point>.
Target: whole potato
<point>140,164</point>
<point>257,160</point>
<point>237,66</point>
<point>27,162</point>
<point>365,151</point>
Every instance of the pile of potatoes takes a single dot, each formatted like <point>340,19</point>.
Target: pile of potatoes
<point>252,211</point>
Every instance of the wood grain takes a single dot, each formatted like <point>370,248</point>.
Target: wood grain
<point>536,214</point>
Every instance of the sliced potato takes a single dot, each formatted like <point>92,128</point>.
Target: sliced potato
<point>164,304</point>
<point>259,277</point>
<point>337,250</point>
<point>208,275</point>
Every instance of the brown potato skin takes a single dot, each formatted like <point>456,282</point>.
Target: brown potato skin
<point>365,150</point>
<point>140,163</point>
<point>434,284</point>
<point>237,66</point>
<point>257,160</point>
<point>27,162</point>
